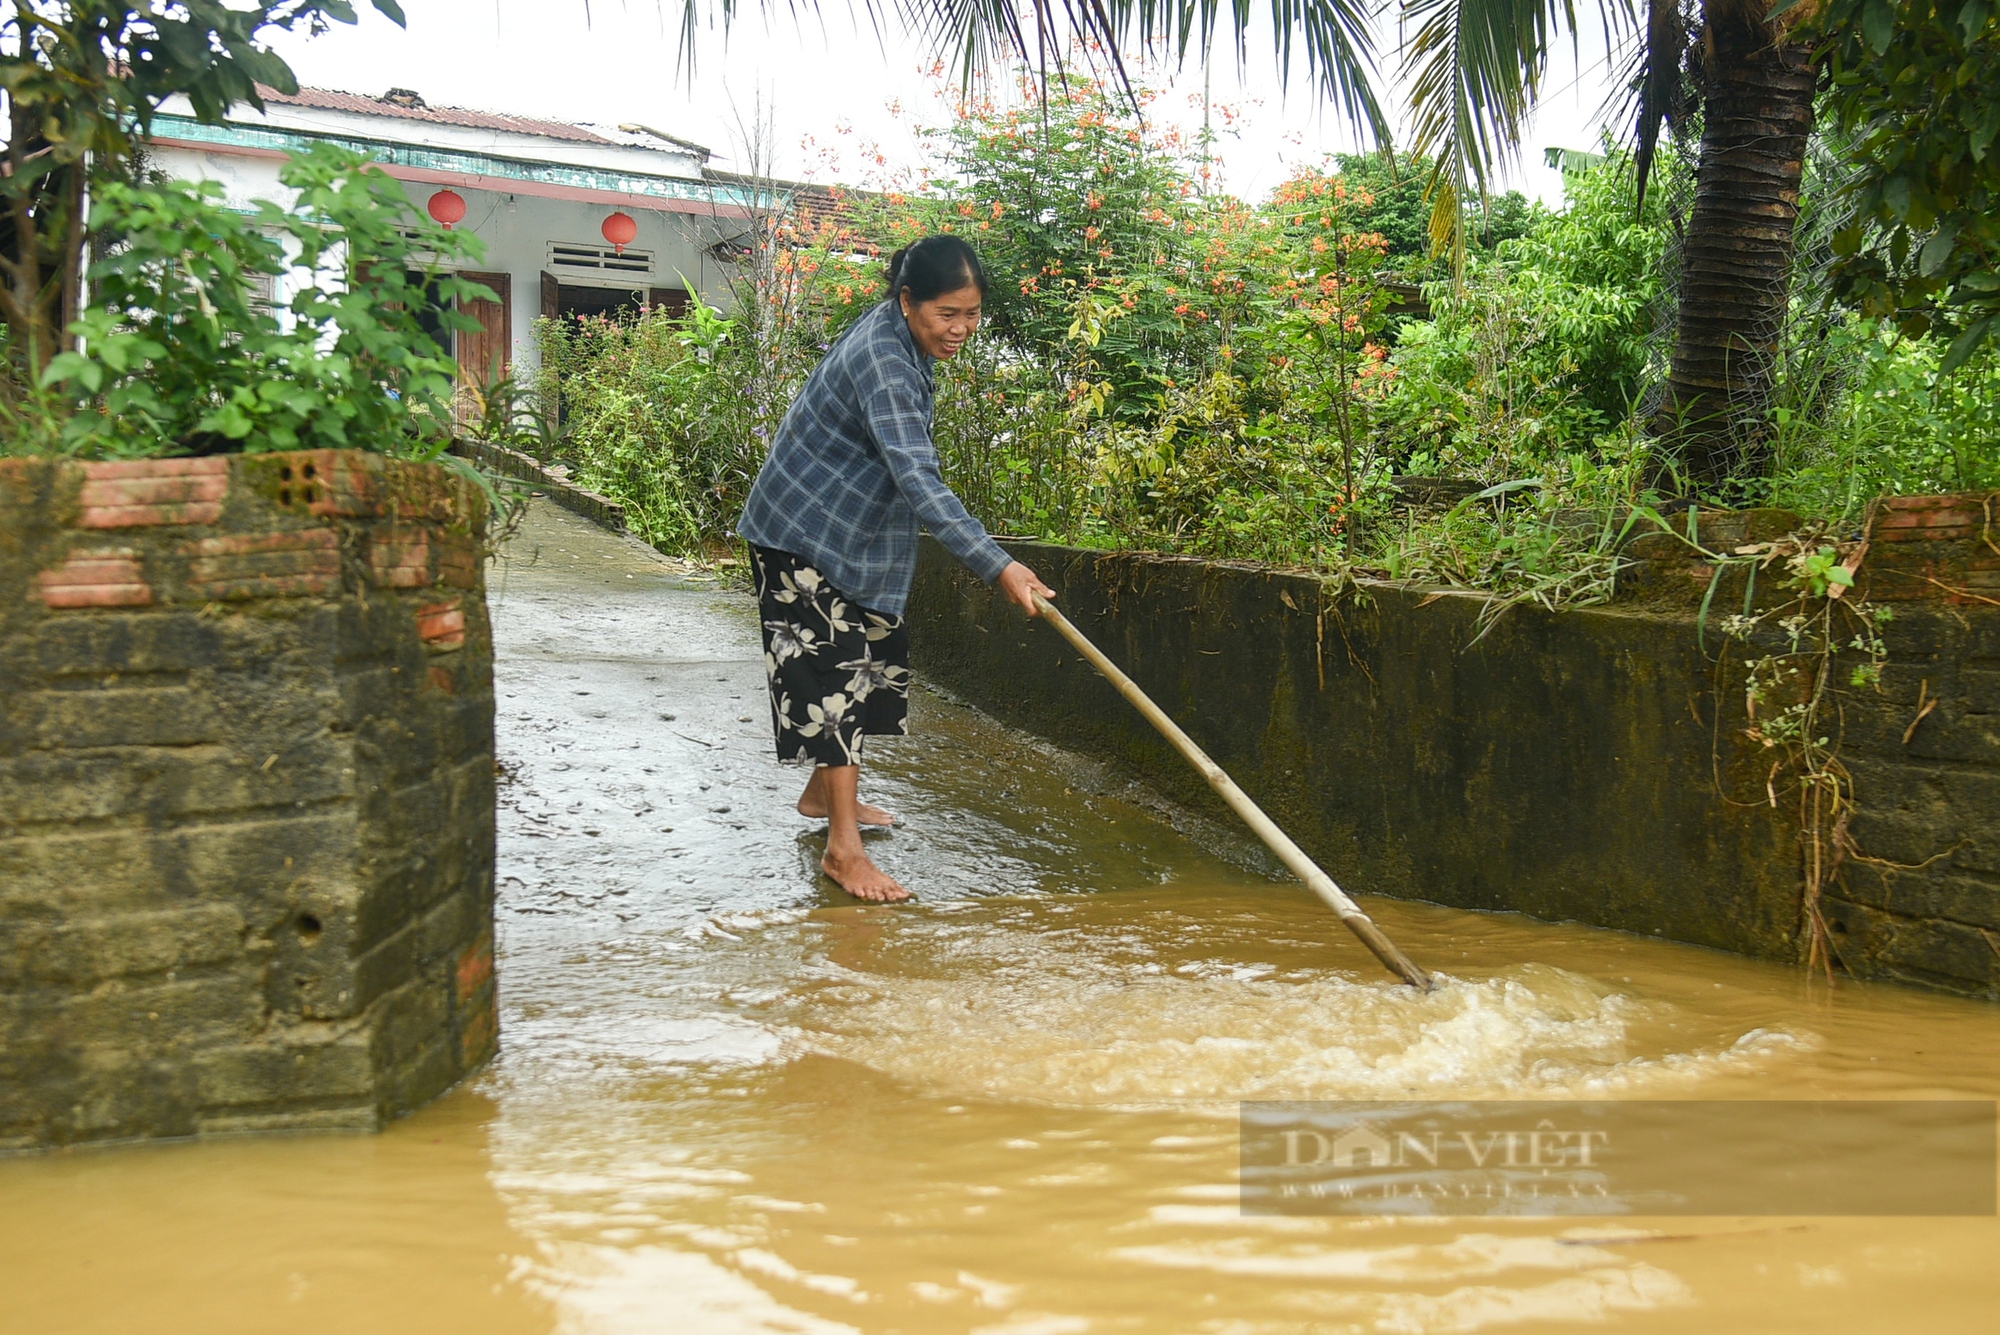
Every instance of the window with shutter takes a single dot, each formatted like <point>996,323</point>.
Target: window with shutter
<point>588,264</point>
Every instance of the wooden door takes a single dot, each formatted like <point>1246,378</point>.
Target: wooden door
<point>485,354</point>
<point>551,296</point>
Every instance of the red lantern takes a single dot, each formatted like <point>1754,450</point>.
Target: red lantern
<point>447,207</point>
<point>620,231</point>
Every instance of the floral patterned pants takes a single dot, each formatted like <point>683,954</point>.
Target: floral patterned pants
<point>838,671</point>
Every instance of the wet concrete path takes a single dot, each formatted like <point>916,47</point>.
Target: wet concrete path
<point>730,1099</point>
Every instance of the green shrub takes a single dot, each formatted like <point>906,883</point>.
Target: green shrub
<point>176,353</point>
<point>1889,423</point>
<point>655,415</point>
<point>84,80</point>
<point>1544,348</point>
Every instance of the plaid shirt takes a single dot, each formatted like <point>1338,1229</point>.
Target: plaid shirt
<point>853,471</point>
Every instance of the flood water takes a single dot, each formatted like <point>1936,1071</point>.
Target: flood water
<point>728,1099</point>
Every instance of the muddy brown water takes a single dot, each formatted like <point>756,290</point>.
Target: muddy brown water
<point>730,1100</point>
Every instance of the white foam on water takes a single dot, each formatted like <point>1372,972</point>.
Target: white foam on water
<point>1079,1031</point>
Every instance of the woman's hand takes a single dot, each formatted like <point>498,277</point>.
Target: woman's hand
<point>1021,584</point>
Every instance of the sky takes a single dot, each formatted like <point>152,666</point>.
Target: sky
<point>830,90</point>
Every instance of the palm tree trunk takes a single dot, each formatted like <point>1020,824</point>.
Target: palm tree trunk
<point>1737,256</point>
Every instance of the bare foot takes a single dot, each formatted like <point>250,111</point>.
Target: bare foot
<point>861,878</point>
<point>812,805</point>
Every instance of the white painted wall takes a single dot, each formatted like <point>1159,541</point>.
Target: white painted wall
<point>516,229</point>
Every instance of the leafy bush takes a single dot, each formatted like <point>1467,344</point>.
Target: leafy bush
<point>1894,424</point>
<point>1400,214</point>
<point>1102,421</point>
<point>655,415</point>
<point>177,353</point>
<point>1081,213</point>
<point>84,79</point>
<point>1912,85</point>
<point>1544,348</point>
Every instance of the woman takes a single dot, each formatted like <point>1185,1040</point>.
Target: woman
<point>832,526</point>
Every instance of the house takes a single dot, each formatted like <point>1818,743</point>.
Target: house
<point>577,219</point>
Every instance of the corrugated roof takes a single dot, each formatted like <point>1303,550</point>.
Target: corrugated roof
<point>328,99</point>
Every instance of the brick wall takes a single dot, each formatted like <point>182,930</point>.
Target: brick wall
<point>1915,894</point>
<point>1918,896</point>
<point>246,794</point>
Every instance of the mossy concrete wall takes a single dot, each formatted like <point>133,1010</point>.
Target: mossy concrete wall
<point>1585,765</point>
<point>246,794</point>
<point>498,459</point>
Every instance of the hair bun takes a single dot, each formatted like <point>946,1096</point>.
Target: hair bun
<point>897,263</point>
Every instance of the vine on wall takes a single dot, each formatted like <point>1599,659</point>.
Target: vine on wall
<point>1793,652</point>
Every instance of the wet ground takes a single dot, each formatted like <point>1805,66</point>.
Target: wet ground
<point>730,1099</point>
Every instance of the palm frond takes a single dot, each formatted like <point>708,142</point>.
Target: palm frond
<point>977,34</point>
<point>1476,69</point>
<point>1660,80</point>
<point>1334,38</point>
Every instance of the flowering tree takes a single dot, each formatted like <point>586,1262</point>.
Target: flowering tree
<point>1160,357</point>
<point>807,274</point>
<point>1327,306</point>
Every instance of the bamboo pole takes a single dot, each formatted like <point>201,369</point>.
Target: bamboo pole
<point>1239,801</point>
